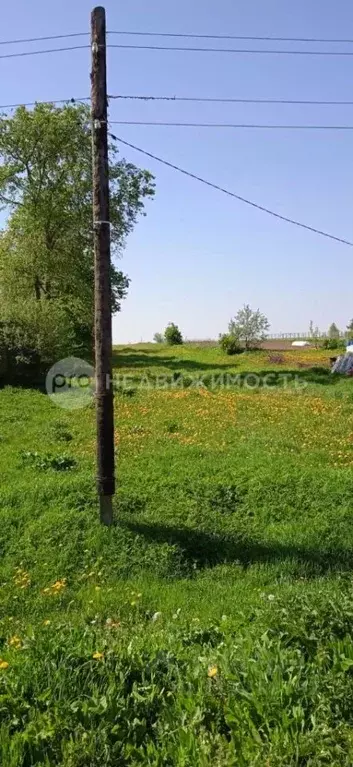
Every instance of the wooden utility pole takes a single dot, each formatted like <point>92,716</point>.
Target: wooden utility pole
<point>101,228</point>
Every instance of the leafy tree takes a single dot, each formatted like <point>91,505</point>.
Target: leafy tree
<point>158,338</point>
<point>333,343</point>
<point>314,334</point>
<point>172,335</point>
<point>46,248</point>
<point>333,331</point>
<point>350,327</point>
<point>230,344</point>
<point>249,327</point>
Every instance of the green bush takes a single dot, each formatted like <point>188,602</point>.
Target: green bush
<point>173,335</point>
<point>333,343</point>
<point>230,344</point>
<point>19,362</point>
<point>36,334</point>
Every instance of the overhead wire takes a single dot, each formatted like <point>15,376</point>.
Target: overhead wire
<point>226,100</point>
<point>40,52</point>
<point>185,35</point>
<point>208,125</point>
<point>206,99</point>
<point>251,51</point>
<point>268,38</point>
<point>47,101</point>
<point>46,37</point>
<point>246,51</point>
<point>238,197</point>
<point>235,126</point>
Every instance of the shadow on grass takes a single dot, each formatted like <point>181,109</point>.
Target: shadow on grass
<point>23,383</point>
<point>316,375</point>
<point>208,550</point>
<point>222,374</point>
<point>147,359</point>
<point>275,377</point>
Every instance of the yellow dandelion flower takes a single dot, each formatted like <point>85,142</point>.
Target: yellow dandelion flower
<point>58,585</point>
<point>3,664</point>
<point>22,578</point>
<point>98,655</point>
<point>212,672</point>
<point>47,622</point>
<point>15,642</point>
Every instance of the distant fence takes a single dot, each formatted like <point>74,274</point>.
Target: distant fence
<point>303,336</point>
<point>273,337</point>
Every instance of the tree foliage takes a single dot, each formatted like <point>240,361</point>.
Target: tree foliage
<point>249,327</point>
<point>230,344</point>
<point>314,334</point>
<point>46,248</point>
<point>173,335</point>
<point>333,331</point>
<point>333,343</point>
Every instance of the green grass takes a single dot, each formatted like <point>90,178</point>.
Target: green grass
<point>212,625</point>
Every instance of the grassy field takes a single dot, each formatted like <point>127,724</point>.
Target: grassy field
<point>213,624</point>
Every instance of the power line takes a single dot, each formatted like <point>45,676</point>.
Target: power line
<point>38,53</point>
<point>48,101</point>
<point>235,126</point>
<point>235,37</point>
<point>219,100</point>
<point>232,194</point>
<point>185,99</point>
<point>228,50</point>
<point>47,37</point>
<point>73,100</point>
<point>179,49</point>
<point>182,35</point>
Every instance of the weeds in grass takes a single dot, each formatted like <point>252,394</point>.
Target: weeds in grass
<point>212,625</point>
<point>44,462</point>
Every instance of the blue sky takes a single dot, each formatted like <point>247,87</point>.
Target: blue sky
<point>199,255</point>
